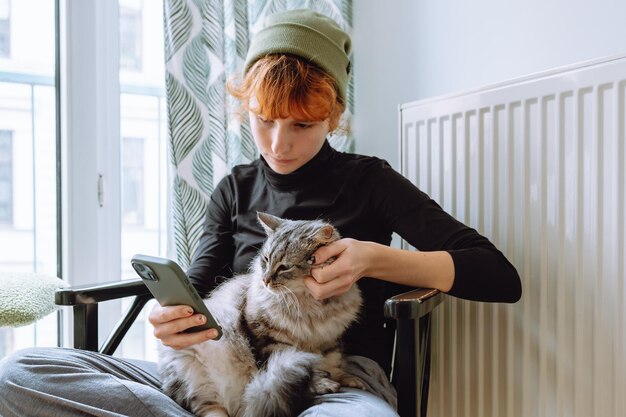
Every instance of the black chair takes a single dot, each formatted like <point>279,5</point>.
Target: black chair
<point>411,310</point>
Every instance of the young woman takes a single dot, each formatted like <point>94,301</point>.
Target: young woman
<point>293,90</point>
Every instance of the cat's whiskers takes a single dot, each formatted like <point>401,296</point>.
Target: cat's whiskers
<point>294,300</point>
<point>286,301</point>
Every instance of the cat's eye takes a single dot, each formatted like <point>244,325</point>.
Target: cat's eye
<point>264,261</point>
<point>282,268</point>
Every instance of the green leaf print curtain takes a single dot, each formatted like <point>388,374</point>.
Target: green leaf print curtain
<point>205,44</point>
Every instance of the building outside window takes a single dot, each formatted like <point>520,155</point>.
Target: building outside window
<point>6,177</point>
<point>132,181</point>
<point>131,42</point>
<point>5,28</point>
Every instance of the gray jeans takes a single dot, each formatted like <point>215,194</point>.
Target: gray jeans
<point>68,382</point>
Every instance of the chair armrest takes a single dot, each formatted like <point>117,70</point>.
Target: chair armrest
<point>85,299</point>
<point>413,304</point>
<point>411,362</point>
<point>95,293</point>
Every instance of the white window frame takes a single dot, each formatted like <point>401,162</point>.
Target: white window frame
<point>90,149</point>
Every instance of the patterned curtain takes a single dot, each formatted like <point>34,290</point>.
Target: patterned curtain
<point>205,44</point>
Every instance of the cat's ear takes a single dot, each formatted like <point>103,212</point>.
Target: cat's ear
<point>269,222</point>
<point>326,234</point>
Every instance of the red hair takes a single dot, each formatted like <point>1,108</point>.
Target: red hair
<point>283,86</point>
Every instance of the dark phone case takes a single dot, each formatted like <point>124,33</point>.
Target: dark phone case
<point>173,288</point>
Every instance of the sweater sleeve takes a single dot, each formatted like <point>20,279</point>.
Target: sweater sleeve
<point>482,272</point>
<point>213,259</point>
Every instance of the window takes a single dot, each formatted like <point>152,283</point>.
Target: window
<point>28,150</point>
<point>5,28</point>
<point>122,136</point>
<point>131,55</point>
<point>143,141</point>
<point>6,177</point>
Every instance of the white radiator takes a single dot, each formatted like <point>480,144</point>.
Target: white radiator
<point>536,165</point>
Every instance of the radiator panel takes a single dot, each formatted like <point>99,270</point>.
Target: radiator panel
<point>536,165</point>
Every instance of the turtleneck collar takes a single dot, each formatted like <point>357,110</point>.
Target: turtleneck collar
<point>303,175</point>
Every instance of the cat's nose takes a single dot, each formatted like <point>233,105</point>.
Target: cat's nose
<point>267,279</point>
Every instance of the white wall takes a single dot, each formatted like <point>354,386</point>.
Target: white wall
<point>385,74</point>
<point>407,50</point>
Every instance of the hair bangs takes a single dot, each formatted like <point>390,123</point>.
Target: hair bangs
<point>296,100</point>
<point>283,86</point>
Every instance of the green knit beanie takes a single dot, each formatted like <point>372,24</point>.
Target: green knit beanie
<point>309,35</point>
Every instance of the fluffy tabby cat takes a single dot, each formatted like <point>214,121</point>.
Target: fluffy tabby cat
<point>280,346</point>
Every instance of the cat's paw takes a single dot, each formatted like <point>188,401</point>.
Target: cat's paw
<point>213,411</point>
<point>352,382</point>
<point>325,386</point>
<point>217,413</point>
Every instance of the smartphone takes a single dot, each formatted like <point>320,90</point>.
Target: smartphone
<point>169,285</point>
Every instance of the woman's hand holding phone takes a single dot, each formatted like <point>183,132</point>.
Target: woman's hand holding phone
<point>170,322</point>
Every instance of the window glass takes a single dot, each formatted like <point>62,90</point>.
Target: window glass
<point>143,146</point>
<point>28,201</point>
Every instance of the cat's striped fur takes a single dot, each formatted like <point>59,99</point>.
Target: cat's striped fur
<point>280,346</point>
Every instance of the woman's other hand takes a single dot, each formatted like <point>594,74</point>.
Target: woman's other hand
<point>169,323</point>
<point>351,263</point>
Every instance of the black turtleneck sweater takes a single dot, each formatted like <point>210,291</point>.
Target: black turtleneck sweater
<point>365,199</point>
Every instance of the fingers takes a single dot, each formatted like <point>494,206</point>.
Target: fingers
<point>321,291</point>
<point>325,268</point>
<point>330,277</point>
<point>184,340</point>
<point>170,322</point>
<point>324,274</point>
<point>341,267</point>
<point>160,314</point>
<point>324,253</point>
<point>164,330</point>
